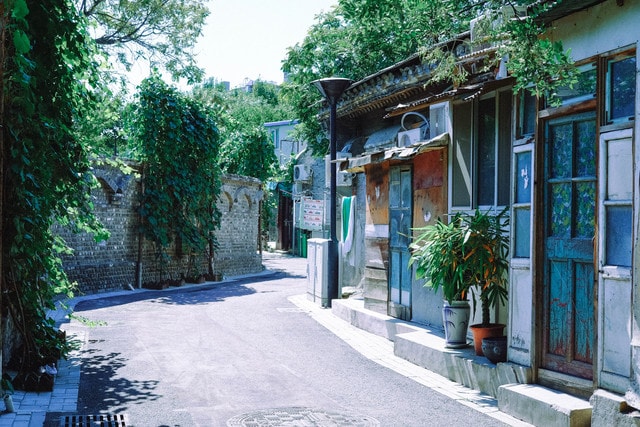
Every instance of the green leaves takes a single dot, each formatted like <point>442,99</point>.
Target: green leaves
<point>177,140</point>
<point>48,78</point>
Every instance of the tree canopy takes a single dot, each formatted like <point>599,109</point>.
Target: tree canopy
<point>246,147</point>
<point>361,37</point>
<point>162,32</point>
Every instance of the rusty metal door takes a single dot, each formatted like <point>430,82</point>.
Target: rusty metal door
<point>569,282</point>
<point>400,223</point>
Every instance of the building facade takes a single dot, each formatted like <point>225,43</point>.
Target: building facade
<point>568,174</point>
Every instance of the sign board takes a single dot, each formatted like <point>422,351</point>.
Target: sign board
<point>312,214</point>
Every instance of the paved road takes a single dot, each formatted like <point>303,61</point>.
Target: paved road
<point>241,353</point>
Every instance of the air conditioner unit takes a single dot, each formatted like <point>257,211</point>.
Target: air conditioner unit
<point>409,137</point>
<point>301,173</point>
<point>344,179</point>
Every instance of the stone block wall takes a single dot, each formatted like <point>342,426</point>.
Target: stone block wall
<point>112,265</point>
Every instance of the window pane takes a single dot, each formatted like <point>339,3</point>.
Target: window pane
<point>620,169</point>
<point>461,178</point>
<point>522,218</point>
<point>561,139</point>
<point>618,238</point>
<point>584,89</point>
<point>486,152</point>
<point>561,210</point>
<point>528,111</point>
<point>523,177</point>
<point>622,83</point>
<point>585,201</point>
<point>504,147</point>
<point>586,153</point>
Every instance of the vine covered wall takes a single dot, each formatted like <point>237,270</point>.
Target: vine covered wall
<point>111,265</point>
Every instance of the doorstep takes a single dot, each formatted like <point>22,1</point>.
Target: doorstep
<point>508,382</point>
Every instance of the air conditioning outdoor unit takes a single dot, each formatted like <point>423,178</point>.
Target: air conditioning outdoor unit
<point>301,173</point>
<point>409,137</point>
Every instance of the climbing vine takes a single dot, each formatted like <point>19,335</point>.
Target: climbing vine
<point>49,71</point>
<point>177,139</point>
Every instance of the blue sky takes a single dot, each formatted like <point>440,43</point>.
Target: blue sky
<point>249,38</point>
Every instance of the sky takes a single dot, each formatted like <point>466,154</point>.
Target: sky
<point>248,39</point>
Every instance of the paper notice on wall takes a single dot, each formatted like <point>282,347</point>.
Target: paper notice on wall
<point>312,214</point>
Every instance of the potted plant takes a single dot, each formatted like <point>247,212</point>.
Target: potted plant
<point>488,264</point>
<point>469,254</point>
<point>439,252</point>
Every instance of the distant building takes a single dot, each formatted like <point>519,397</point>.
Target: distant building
<point>285,146</point>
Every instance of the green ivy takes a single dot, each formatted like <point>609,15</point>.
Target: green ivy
<point>177,139</point>
<point>49,73</point>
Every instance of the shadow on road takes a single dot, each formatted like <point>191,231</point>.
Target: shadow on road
<point>101,387</point>
<point>186,294</point>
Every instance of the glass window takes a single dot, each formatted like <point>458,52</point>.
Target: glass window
<point>621,89</point>
<point>522,228</point>
<point>481,152</point>
<point>619,226</point>
<point>583,89</point>
<point>461,176</point>
<point>486,152</point>
<point>528,113</point>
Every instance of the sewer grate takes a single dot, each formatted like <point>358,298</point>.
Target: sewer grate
<point>110,420</point>
<point>301,417</point>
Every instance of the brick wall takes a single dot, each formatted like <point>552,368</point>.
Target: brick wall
<point>111,265</point>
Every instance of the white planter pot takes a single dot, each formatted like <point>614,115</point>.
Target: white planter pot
<point>455,318</point>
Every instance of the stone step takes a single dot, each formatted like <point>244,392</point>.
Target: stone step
<point>460,365</point>
<point>542,406</point>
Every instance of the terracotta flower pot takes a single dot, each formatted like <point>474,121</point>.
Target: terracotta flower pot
<point>480,332</point>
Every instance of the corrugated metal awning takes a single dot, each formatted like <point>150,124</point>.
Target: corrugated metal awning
<point>357,164</point>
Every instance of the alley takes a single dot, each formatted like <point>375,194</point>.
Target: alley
<point>240,352</point>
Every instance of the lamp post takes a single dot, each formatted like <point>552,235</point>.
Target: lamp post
<point>331,89</point>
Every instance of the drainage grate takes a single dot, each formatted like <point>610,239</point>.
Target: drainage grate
<point>115,420</point>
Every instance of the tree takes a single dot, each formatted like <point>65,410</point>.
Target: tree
<point>360,37</point>
<point>161,31</point>
<point>177,141</point>
<point>246,148</point>
<point>48,79</point>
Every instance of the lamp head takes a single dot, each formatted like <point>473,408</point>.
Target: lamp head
<point>332,88</point>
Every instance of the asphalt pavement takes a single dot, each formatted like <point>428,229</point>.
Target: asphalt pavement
<point>248,351</point>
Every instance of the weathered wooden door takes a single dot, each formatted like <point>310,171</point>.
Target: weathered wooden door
<point>569,283</point>
<point>400,223</point>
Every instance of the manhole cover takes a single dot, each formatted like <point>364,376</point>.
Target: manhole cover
<point>301,417</point>
<point>111,420</point>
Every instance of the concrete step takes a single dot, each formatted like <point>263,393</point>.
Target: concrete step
<point>542,406</point>
<point>460,365</point>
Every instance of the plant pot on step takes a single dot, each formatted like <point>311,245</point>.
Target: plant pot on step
<point>481,332</point>
<point>495,349</point>
<point>455,318</point>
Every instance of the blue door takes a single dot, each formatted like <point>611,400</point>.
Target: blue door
<point>400,223</point>
<point>569,281</point>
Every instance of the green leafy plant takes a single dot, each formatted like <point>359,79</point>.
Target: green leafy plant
<point>50,73</point>
<point>468,254</point>
<point>178,142</point>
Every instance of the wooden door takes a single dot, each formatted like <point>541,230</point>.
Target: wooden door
<point>400,223</point>
<point>569,284</point>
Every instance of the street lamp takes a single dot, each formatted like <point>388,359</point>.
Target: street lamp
<point>331,89</point>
